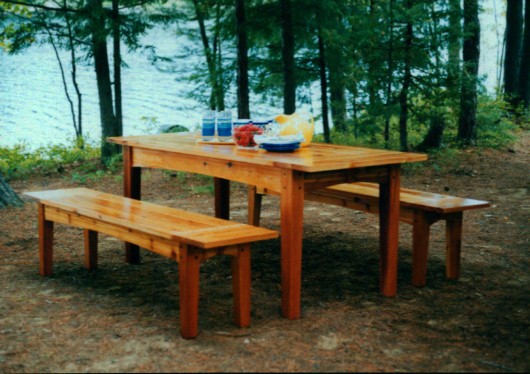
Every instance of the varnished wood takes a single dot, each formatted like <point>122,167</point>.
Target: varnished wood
<point>91,249</point>
<point>417,208</point>
<point>186,237</point>
<point>427,201</point>
<point>453,233</point>
<point>45,242</point>
<point>254,206</point>
<point>313,158</point>
<point>241,285</point>
<point>420,248</point>
<point>222,198</point>
<point>292,222</point>
<point>319,165</point>
<point>233,170</point>
<point>131,188</point>
<point>189,292</point>
<point>151,219</point>
<point>388,232</point>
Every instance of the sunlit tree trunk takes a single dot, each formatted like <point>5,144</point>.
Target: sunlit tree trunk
<point>117,64</point>
<point>390,60</point>
<point>524,69</point>
<point>514,33</point>
<point>214,73</point>
<point>467,127</point>
<point>289,85</point>
<point>71,45</point>
<point>243,106</point>
<point>323,86</point>
<point>109,126</point>
<point>407,78</point>
<point>337,89</point>
<point>437,120</point>
<point>454,47</point>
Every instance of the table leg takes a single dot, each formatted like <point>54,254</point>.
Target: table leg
<point>132,177</point>
<point>389,231</point>
<point>292,213</point>
<point>222,197</point>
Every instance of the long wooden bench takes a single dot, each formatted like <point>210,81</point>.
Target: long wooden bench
<point>188,238</point>
<point>420,209</point>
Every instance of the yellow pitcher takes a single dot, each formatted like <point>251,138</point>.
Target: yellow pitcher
<point>297,123</point>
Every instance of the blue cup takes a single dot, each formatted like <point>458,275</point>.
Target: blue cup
<point>261,123</point>
<point>208,125</point>
<point>224,124</point>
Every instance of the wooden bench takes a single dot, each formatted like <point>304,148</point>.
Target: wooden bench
<point>188,238</point>
<point>420,209</point>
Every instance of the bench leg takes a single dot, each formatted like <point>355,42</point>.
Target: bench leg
<point>45,243</point>
<point>222,198</point>
<point>189,263</point>
<point>420,248</point>
<point>91,249</point>
<point>254,206</point>
<point>453,237</point>
<point>132,183</point>
<point>241,285</point>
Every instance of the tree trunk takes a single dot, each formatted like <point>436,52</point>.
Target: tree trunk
<point>323,86</point>
<point>407,78</point>
<point>117,64</point>
<point>524,69</point>
<point>219,86</point>
<point>441,98</point>
<point>390,60</point>
<point>467,127</point>
<point>434,137</point>
<point>337,86</point>
<point>514,33</point>
<point>74,74</point>
<point>109,125</point>
<point>78,134</point>
<point>337,94</point>
<point>454,46</point>
<point>289,85</point>
<point>243,106</point>
<point>7,196</point>
<point>373,102</point>
<point>216,102</point>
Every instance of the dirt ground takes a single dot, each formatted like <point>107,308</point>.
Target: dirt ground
<point>124,318</point>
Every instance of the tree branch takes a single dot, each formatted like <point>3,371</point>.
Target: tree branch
<point>42,6</point>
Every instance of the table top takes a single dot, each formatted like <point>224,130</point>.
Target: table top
<point>313,158</point>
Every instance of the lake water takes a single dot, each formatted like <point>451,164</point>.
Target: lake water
<point>34,109</point>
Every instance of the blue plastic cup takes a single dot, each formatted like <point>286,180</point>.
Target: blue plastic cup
<point>224,125</point>
<point>208,125</point>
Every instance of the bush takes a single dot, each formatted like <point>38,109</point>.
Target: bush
<point>495,124</point>
<point>18,161</point>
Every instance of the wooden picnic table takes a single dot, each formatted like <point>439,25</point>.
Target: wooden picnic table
<point>288,174</point>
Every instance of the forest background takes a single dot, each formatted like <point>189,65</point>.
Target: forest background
<point>398,74</point>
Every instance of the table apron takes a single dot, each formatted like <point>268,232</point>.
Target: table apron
<point>375,174</point>
<point>264,176</point>
<point>268,177</point>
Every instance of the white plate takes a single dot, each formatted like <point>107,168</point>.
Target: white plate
<point>278,140</point>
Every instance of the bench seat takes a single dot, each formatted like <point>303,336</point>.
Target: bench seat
<point>420,209</point>
<point>186,237</point>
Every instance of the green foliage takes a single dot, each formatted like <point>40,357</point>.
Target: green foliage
<point>18,161</point>
<point>496,126</point>
<point>444,159</point>
<point>16,34</point>
<point>208,189</point>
